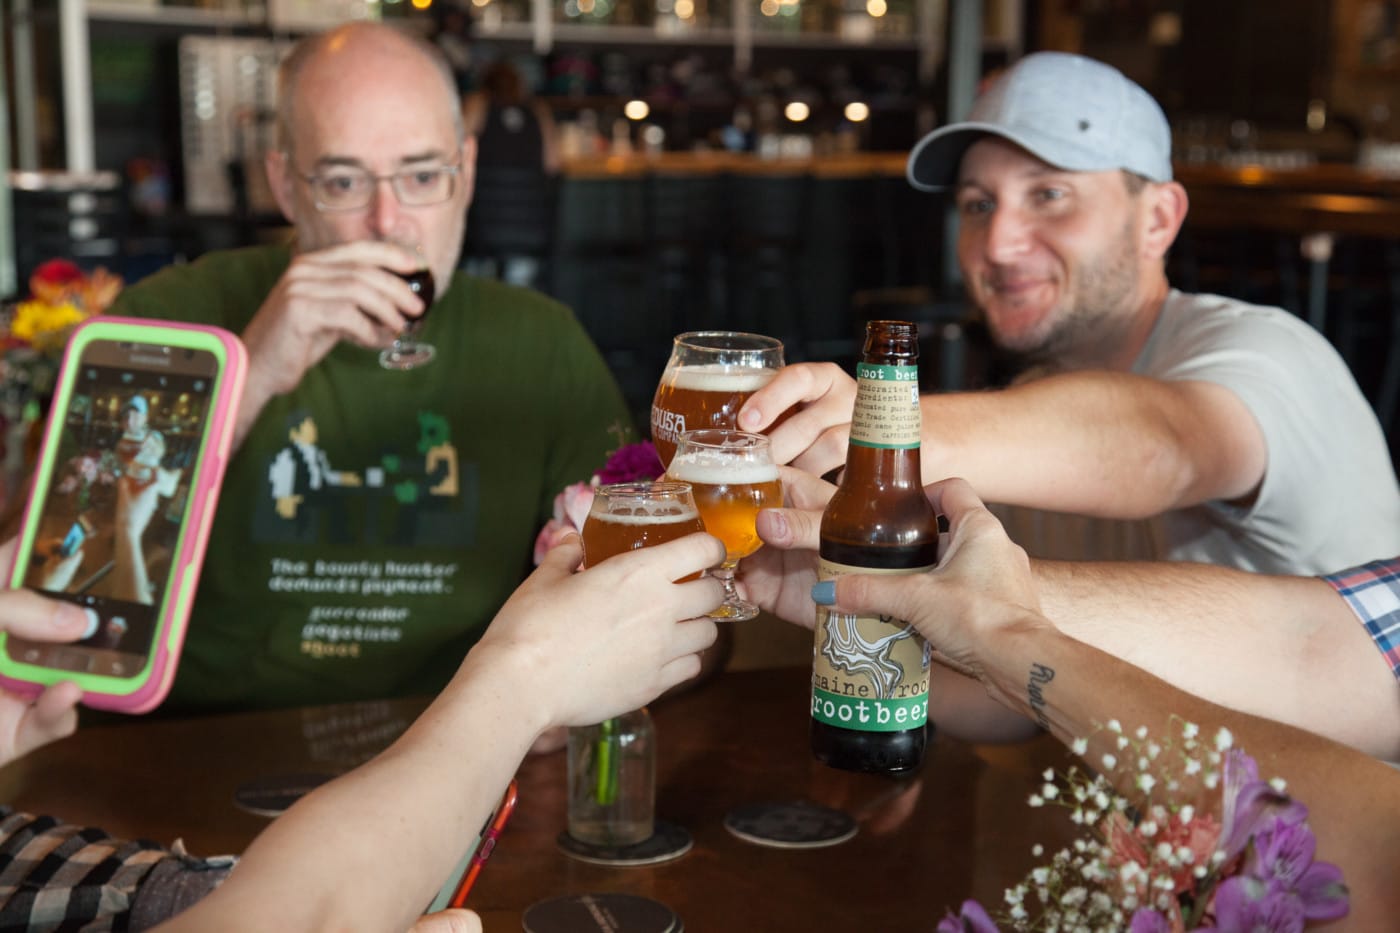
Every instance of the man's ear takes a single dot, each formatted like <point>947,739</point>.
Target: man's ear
<point>280,178</point>
<point>1165,212</point>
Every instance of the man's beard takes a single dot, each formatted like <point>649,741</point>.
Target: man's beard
<point>1089,330</point>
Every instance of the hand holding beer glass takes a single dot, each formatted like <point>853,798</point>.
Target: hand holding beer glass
<point>707,380</point>
<point>732,476</point>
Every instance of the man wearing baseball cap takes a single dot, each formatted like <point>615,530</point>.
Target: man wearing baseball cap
<point>1147,422</point>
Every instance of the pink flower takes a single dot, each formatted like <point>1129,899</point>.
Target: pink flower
<point>570,511</point>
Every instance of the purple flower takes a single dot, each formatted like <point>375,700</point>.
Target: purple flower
<point>1249,804</point>
<point>1249,905</point>
<point>1147,920</point>
<point>1283,853</point>
<point>631,463</point>
<point>970,919</point>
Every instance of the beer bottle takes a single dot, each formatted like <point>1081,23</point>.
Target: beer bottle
<point>870,674</point>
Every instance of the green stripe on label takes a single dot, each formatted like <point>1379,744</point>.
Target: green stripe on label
<point>866,715</point>
<point>879,372</point>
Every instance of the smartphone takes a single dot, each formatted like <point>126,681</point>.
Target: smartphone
<point>459,883</point>
<point>121,504</point>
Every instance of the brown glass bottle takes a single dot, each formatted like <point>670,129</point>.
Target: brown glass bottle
<point>870,675</point>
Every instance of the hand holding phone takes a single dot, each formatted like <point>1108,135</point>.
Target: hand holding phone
<point>459,883</point>
<point>122,501</point>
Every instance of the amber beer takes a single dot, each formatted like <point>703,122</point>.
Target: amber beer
<point>628,516</point>
<point>729,495</point>
<point>693,397</point>
<point>870,674</point>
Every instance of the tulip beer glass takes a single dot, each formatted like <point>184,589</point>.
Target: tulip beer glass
<point>707,380</point>
<point>732,476</point>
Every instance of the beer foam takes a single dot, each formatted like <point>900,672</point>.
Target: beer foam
<point>714,468</point>
<point>648,515</point>
<point>718,377</point>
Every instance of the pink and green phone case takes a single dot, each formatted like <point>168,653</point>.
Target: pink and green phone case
<point>145,691</point>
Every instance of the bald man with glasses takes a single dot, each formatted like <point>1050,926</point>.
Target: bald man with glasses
<point>458,459</point>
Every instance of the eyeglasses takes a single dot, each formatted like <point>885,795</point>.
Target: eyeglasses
<point>346,188</point>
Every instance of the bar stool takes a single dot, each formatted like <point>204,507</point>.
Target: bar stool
<point>686,232</point>
<point>510,225</point>
<point>768,224</point>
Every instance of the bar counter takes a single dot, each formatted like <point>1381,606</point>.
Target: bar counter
<point>960,828</point>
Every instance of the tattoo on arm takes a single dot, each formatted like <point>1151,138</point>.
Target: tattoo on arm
<point>1035,695</point>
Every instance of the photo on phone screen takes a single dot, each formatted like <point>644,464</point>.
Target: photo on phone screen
<point>109,527</point>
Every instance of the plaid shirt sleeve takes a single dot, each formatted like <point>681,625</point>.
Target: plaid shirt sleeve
<point>1373,593</point>
<point>55,876</point>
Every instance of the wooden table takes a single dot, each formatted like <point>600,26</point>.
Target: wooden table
<point>960,829</point>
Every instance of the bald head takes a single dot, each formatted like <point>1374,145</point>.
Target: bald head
<point>324,59</point>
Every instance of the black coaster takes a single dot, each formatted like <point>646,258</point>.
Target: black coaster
<point>793,824</point>
<point>271,795</point>
<point>669,841</point>
<point>603,913</point>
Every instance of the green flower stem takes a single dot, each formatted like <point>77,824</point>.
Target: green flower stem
<point>605,789</point>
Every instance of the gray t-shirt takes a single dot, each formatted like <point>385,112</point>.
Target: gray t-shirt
<point>1329,498</point>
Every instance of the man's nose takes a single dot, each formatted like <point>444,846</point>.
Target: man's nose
<point>384,207</point>
<point>1008,234</point>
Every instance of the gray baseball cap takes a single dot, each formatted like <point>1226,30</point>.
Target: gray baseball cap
<point>1069,111</point>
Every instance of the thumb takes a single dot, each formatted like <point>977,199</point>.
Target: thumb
<point>562,559</point>
<point>899,596</point>
<point>789,529</point>
<point>456,920</point>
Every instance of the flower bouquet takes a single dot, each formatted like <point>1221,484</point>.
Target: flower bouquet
<point>33,333</point>
<point>1170,863</point>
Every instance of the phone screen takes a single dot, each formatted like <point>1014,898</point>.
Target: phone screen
<point>109,529</point>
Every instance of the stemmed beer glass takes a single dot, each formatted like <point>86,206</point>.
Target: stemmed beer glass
<point>732,476</point>
<point>707,380</point>
<point>406,352</point>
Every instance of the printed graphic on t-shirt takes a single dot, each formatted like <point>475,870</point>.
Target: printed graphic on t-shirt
<point>420,497</point>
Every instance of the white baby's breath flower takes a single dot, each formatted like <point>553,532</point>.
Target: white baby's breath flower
<point>1101,800</point>
<point>1153,750</point>
<point>1077,817</point>
<point>1048,774</point>
<point>1018,912</point>
<point>1148,828</point>
<point>1145,783</point>
<point>1036,800</point>
<point>1200,871</point>
<point>1193,766</point>
<point>1079,746</point>
<point>1040,875</point>
<point>1050,791</point>
<point>1217,857</point>
<point>1224,739</point>
<point>1114,726</point>
<point>1211,781</point>
<point>1109,761</point>
<point>1122,742</point>
<point>1164,851</point>
<point>1278,784</point>
<point>1141,732</point>
<point>1185,855</point>
<point>1186,814</point>
<point>1037,850</point>
<point>1189,730</point>
<point>1142,763</point>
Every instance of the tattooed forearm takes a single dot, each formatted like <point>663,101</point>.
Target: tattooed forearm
<point>1035,696</point>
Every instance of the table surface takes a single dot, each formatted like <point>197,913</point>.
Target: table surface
<point>960,828</point>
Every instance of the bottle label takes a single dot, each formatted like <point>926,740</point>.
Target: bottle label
<point>869,673</point>
<point>886,412</point>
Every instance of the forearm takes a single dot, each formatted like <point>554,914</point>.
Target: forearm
<point>1106,444</point>
<point>1266,645</point>
<point>368,850</point>
<point>1354,800</point>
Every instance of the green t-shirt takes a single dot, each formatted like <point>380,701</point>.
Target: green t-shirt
<point>421,492</point>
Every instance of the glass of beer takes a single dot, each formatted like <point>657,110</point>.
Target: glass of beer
<point>406,352</point>
<point>627,516</point>
<point>732,475</point>
<point>707,380</point>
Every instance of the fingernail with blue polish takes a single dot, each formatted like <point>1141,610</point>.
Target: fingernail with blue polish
<point>824,593</point>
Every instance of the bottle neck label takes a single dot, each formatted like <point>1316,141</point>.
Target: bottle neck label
<point>886,414</point>
<point>869,673</point>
